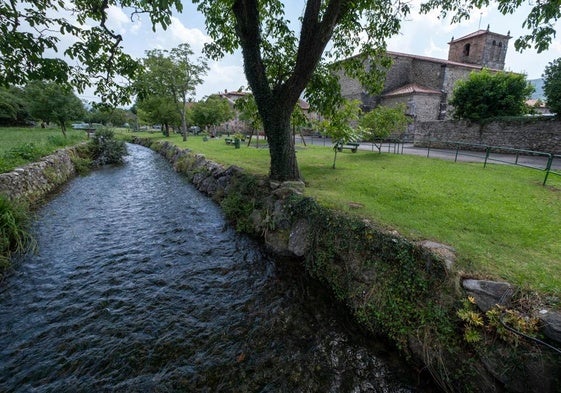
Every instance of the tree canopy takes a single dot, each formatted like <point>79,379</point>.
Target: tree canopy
<point>51,102</point>
<point>171,75</point>
<point>213,111</point>
<point>382,121</point>
<point>282,58</point>
<point>486,94</point>
<point>552,86</point>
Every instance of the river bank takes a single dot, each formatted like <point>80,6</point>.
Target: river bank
<point>407,291</point>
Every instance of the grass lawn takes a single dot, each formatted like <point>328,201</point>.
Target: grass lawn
<point>501,220</point>
<point>19,146</point>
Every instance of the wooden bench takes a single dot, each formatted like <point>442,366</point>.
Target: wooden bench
<point>352,146</point>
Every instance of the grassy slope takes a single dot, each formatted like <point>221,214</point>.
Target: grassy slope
<point>500,219</point>
<point>45,141</point>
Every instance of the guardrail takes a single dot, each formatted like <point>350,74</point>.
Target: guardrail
<point>537,160</point>
<point>541,161</point>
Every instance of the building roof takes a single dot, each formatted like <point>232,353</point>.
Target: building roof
<point>412,88</point>
<point>436,60</point>
<point>477,34</point>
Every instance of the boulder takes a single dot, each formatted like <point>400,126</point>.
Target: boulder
<point>487,294</point>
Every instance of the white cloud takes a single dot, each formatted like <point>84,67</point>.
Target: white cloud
<point>222,76</point>
<point>118,20</point>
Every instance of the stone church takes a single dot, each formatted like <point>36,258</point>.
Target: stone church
<point>425,84</point>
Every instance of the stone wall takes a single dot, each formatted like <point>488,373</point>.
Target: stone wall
<point>36,180</point>
<point>404,290</point>
<point>537,134</point>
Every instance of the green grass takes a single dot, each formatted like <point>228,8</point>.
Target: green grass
<point>20,146</point>
<point>503,223</point>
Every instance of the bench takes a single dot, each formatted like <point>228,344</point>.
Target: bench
<point>229,141</point>
<point>352,146</point>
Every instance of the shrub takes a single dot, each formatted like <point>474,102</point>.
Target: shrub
<point>485,94</point>
<point>105,149</point>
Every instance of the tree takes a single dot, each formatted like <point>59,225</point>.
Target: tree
<point>382,121</point>
<point>279,61</point>
<point>552,86</point>
<point>13,107</point>
<point>341,125</point>
<point>158,110</point>
<point>213,111</point>
<point>171,74</point>
<point>485,94</point>
<point>51,102</point>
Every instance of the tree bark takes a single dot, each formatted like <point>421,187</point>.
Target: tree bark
<point>276,104</point>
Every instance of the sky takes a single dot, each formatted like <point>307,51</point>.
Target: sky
<point>423,35</point>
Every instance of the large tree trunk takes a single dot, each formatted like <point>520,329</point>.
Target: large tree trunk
<point>276,102</point>
<point>276,124</point>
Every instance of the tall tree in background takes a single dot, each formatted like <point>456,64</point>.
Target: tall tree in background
<point>158,110</point>
<point>552,86</point>
<point>13,106</point>
<point>171,74</point>
<point>211,112</point>
<point>279,62</point>
<point>51,102</point>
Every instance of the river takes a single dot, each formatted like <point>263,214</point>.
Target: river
<point>139,285</point>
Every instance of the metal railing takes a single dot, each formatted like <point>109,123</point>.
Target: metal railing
<point>532,159</point>
<point>549,163</point>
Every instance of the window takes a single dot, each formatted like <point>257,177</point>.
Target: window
<point>466,49</point>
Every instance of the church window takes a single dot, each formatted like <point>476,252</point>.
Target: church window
<point>466,49</point>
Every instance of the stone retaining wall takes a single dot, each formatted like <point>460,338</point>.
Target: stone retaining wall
<point>403,290</point>
<point>537,134</point>
<point>36,180</point>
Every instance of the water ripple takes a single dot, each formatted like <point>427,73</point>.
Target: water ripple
<point>138,287</point>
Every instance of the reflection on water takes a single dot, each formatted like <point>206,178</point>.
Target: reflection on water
<point>140,286</point>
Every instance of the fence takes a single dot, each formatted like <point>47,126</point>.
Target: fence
<point>532,159</point>
<point>549,163</point>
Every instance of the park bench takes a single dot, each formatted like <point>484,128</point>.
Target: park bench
<point>352,146</point>
<point>229,141</point>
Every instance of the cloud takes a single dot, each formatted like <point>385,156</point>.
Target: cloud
<point>118,20</point>
<point>222,77</point>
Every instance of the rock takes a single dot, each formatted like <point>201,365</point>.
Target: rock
<point>298,239</point>
<point>487,294</point>
<point>551,321</point>
<point>447,253</point>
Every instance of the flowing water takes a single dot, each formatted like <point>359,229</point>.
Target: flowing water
<point>139,285</point>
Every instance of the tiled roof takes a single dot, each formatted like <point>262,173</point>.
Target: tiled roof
<point>412,88</point>
<point>436,60</point>
<point>477,34</point>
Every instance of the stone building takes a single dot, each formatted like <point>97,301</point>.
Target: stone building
<point>424,84</point>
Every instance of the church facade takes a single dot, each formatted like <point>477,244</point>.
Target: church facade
<point>424,84</point>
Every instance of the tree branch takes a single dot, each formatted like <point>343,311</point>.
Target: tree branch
<point>247,28</point>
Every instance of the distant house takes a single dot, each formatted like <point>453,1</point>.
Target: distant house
<point>424,84</point>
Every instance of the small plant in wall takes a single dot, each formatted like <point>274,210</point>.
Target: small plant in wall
<point>506,324</point>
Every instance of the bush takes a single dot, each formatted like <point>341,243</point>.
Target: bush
<point>105,149</point>
<point>485,94</point>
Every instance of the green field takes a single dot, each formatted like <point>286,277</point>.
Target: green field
<point>503,223</point>
<point>19,146</point>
